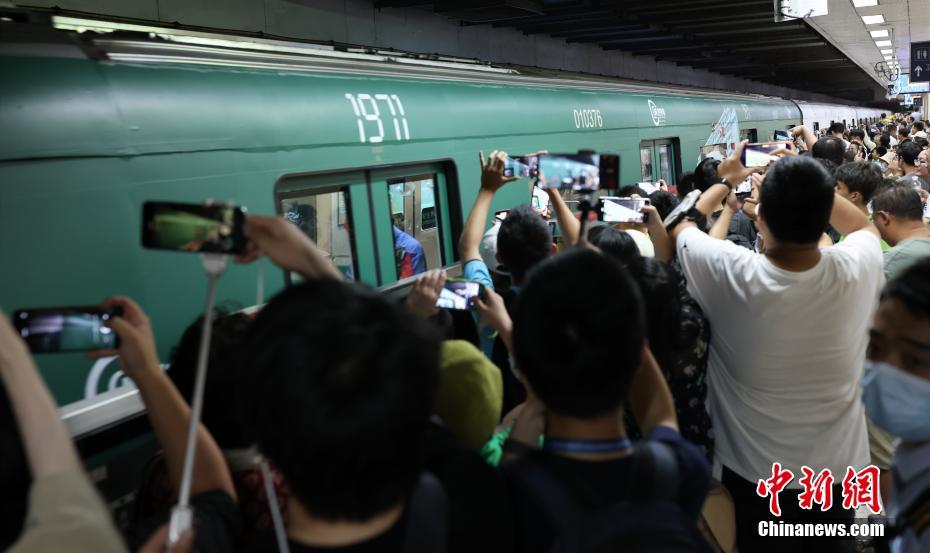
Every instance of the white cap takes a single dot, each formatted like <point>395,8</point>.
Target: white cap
<point>488,250</point>
<point>646,249</point>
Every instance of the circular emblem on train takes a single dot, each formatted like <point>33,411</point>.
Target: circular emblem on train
<point>657,113</point>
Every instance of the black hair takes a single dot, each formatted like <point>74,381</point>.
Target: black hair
<point>908,151</point>
<point>860,176</point>
<point>920,141</point>
<point>881,150</point>
<point>586,367</point>
<point>912,288</point>
<point>904,131</point>
<point>830,148</point>
<point>796,199</point>
<point>859,133</point>
<point>918,125</point>
<point>884,140</point>
<point>705,174</point>
<point>900,200</point>
<point>685,184</point>
<point>664,202</point>
<point>523,241</point>
<point>338,385</point>
<point>838,126</point>
<point>630,189</point>
<point>220,414</point>
<point>850,154</point>
<point>658,285</point>
<point>15,476</point>
<point>614,242</point>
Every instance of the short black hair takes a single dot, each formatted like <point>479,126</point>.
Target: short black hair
<point>908,151</point>
<point>829,148</point>
<point>881,150</point>
<point>796,198</point>
<point>614,242</point>
<point>220,414</point>
<point>705,174</point>
<point>904,131</point>
<point>918,125</point>
<point>571,354</point>
<point>859,133</point>
<point>685,184</point>
<point>338,385</point>
<point>838,126</point>
<point>860,176</point>
<point>884,140</point>
<point>912,288</point>
<point>664,202</point>
<point>630,189</point>
<point>523,241</point>
<point>920,141</point>
<point>15,476</point>
<point>900,200</point>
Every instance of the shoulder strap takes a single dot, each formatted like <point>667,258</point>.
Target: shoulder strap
<point>427,517</point>
<point>655,473</point>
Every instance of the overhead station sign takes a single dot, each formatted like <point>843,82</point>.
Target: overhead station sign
<point>905,86</point>
<point>920,61</point>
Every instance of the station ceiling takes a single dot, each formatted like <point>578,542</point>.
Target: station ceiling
<point>730,37</point>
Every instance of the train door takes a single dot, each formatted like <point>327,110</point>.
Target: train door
<point>659,159</point>
<point>413,212</point>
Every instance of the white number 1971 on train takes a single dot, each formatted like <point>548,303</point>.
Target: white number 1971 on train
<point>366,109</point>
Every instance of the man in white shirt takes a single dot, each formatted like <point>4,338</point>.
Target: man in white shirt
<point>788,343</point>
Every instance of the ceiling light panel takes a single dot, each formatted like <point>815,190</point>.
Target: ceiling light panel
<point>865,3</point>
<point>888,51</point>
<point>873,19</point>
<point>879,34</point>
<point>882,43</point>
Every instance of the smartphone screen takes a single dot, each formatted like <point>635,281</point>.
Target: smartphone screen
<point>193,227</point>
<point>622,210</point>
<point>715,151</point>
<point>459,294</point>
<point>782,136</point>
<point>578,172</point>
<point>744,189</point>
<point>759,155</point>
<point>648,187</point>
<point>521,166</point>
<point>61,329</point>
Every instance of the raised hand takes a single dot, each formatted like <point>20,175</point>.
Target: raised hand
<point>136,350</point>
<point>425,293</point>
<point>492,171</point>
<point>287,246</point>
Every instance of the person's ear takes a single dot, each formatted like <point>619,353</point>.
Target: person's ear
<point>855,197</point>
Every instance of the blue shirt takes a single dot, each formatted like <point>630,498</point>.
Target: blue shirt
<point>410,245</point>
<point>477,270</point>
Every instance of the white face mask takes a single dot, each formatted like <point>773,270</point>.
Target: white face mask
<point>897,401</point>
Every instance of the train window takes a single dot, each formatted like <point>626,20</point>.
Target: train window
<point>415,226</point>
<point>324,217</point>
<point>659,159</point>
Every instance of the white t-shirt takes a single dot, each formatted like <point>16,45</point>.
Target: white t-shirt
<point>786,353</point>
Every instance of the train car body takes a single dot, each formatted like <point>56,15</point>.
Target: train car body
<point>350,146</point>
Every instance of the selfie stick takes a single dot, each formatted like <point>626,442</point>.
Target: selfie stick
<point>275,509</point>
<point>182,517</point>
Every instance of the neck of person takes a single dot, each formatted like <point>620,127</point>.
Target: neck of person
<point>908,169</point>
<point>911,229</point>
<point>604,427</point>
<point>311,530</point>
<point>790,256</point>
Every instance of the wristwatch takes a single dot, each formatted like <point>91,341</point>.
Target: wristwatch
<point>726,182</point>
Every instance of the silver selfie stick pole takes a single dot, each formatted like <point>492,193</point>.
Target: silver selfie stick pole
<point>182,517</point>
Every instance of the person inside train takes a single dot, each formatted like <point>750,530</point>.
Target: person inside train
<point>896,394</point>
<point>579,388</point>
<point>409,255</point>
<point>761,391</point>
<point>48,502</point>
<point>898,212</point>
<point>212,494</point>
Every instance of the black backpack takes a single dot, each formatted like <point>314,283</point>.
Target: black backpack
<point>649,521</point>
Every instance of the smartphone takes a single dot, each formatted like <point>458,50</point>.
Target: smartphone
<point>744,189</point>
<point>521,166</point>
<point>622,210</point>
<point>61,329</point>
<point>648,187</point>
<point>459,294</point>
<point>216,228</point>
<point>715,151</point>
<point>783,136</point>
<point>759,155</point>
<point>582,172</point>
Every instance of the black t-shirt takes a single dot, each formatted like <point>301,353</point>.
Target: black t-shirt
<point>217,523</point>
<point>391,541</point>
<point>596,485</point>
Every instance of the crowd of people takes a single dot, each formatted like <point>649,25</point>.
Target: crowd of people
<point>636,387</point>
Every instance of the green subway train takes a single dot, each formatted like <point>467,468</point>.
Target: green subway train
<point>99,118</point>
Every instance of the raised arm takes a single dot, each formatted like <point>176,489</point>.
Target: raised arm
<point>846,218</point>
<point>568,224</point>
<point>806,135</point>
<point>492,179</point>
<point>650,399</point>
<point>287,246</point>
<point>167,411</point>
<point>45,439</point>
<point>721,228</point>
<point>494,313</point>
<point>657,233</point>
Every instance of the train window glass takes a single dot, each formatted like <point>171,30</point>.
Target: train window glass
<point>666,164</point>
<point>415,226</point>
<point>816,126</point>
<point>751,135</point>
<point>324,217</point>
<point>645,161</point>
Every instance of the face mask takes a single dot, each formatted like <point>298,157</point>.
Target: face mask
<point>897,401</point>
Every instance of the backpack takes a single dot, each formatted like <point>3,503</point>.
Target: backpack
<point>427,517</point>
<point>648,521</point>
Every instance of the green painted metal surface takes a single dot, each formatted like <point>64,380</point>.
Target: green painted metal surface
<point>84,144</point>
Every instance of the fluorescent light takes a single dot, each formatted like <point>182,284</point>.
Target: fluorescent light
<point>879,34</point>
<point>873,19</point>
<point>881,43</point>
<point>888,51</point>
<point>888,58</point>
<point>864,3</point>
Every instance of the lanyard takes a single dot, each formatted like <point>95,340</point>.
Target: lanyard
<point>587,446</point>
